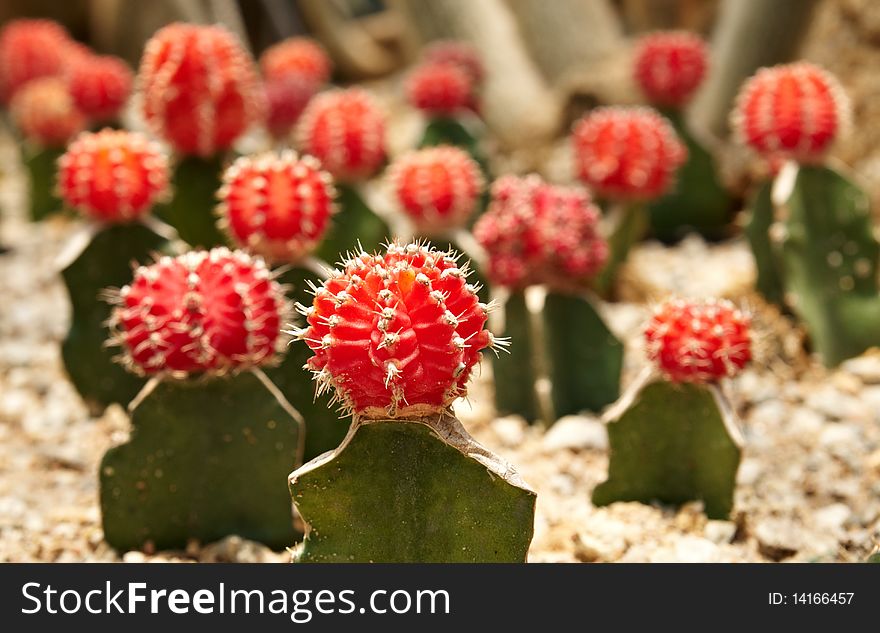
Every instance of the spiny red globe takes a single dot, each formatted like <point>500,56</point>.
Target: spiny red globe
<point>286,100</point>
<point>212,311</point>
<point>534,233</point>
<point>698,341</point>
<point>440,89</point>
<point>670,66</point>
<point>30,49</point>
<point>396,334</point>
<point>277,205</point>
<point>301,57</point>
<point>345,130</point>
<point>627,153</point>
<point>200,88</point>
<point>456,52</point>
<point>112,175</point>
<point>791,111</point>
<point>45,112</point>
<point>100,85</point>
<point>437,187</point>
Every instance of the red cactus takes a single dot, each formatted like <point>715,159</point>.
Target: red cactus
<point>436,187</point>
<point>200,88</point>
<point>277,205</point>
<point>286,100</point>
<point>204,311</point>
<point>627,153</point>
<point>670,66</point>
<point>45,112</point>
<point>30,49</point>
<point>345,130</point>
<point>396,334</point>
<point>698,341</point>
<point>459,53</point>
<point>112,175</point>
<point>791,111</point>
<point>100,85</point>
<point>440,89</point>
<point>301,57</point>
<point>535,233</point>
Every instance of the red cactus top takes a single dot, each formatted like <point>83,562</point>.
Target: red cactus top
<point>793,111</point>
<point>30,49</point>
<point>396,334</point>
<point>535,232</point>
<point>698,341</point>
<point>286,100</point>
<point>456,52</point>
<point>301,57</point>
<point>345,130</point>
<point>670,66</point>
<point>100,85</point>
<point>112,175</point>
<point>200,88</point>
<point>45,112</point>
<point>440,89</point>
<point>627,153</point>
<point>277,205</point>
<point>212,311</point>
<point>437,187</point>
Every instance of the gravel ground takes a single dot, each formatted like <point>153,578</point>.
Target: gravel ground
<point>809,483</point>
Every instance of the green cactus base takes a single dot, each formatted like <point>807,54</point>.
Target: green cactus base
<point>105,263</point>
<point>412,491</point>
<point>191,209</point>
<point>584,358</point>
<point>514,372</point>
<point>354,224</point>
<point>206,459</point>
<point>698,202</point>
<point>672,443</point>
<point>631,222</point>
<point>769,281</point>
<point>41,166</point>
<point>830,262</point>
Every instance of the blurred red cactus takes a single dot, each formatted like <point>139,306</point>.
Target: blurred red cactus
<point>462,54</point>
<point>100,85</point>
<point>670,66</point>
<point>30,49</point>
<point>440,89</point>
<point>45,112</point>
<point>300,57</point>
<point>286,100</point>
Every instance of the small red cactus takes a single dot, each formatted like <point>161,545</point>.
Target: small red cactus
<point>30,49</point>
<point>670,66</point>
<point>698,341</point>
<point>397,334</point>
<point>100,85</point>
<point>200,88</point>
<point>536,233</point>
<point>791,111</point>
<point>301,57</point>
<point>112,175</point>
<point>286,100</point>
<point>436,187</point>
<point>277,205</point>
<point>345,130</point>
<point>440,89</point>
<point>459,53</point>
<point>45,112</point>
<point>627,153</point>
<point>204,311</point>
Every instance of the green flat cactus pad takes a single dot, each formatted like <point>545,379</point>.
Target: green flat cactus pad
<point>584,357</point>
<point>105,263</point>
<point>514,372</point>
<point>206,459</point>
<point>354,224</point>
<point>672,443</point>
<point>407,491</point>
<point>767,262</point>
<point>191,209</point>
<point>41,165</point>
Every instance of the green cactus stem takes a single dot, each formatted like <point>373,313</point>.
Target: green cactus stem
<point>412,491</point>
<point>40,163</point>
<point>699,202</point>
<point>672,443</point>
<point>873,558</point>
<point>829,259</point>
<point>629,225</point>
<point>451,131</point>
<point>584,358</point>
<point>514,372</point>
<point>769,280</point>
<point>191,208</point>
<point>207,458</point>
<point>355,224</point>
<point>106,262</point>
